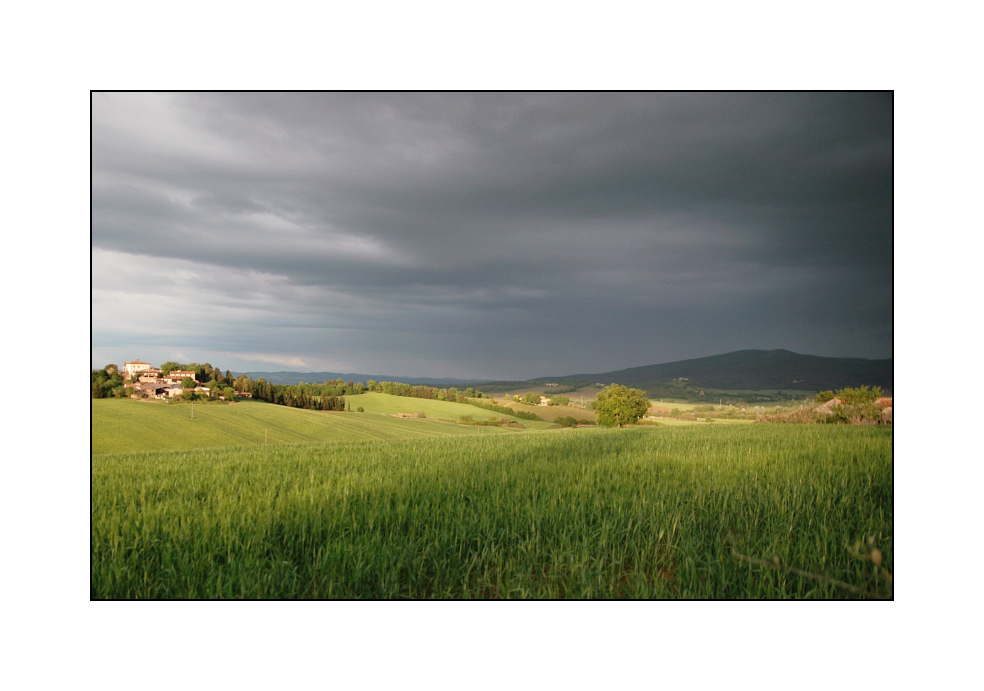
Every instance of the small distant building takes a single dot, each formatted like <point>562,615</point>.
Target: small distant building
<point>544,401</point>
<point>148,389</point>
<point>176,375</point>
<point>244,394</point>
<point>131,368</point>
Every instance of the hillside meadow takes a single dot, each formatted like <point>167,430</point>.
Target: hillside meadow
<point>704,511</point>
<point>386,404</point>
<point>120,425</point>
<point>670,422</point>
<point>552,412</point>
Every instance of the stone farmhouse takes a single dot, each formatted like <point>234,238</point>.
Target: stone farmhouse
<point>157,389</point>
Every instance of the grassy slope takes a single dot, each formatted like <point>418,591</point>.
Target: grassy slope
<point>655,402</point>
<point>552,412</point>
<point>120,425</point>
<point>573,513</point>
<point>670,422</point>
<point>384,403</point>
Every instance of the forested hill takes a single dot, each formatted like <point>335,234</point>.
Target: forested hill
<point>752,370</point>
<point>757,370</point>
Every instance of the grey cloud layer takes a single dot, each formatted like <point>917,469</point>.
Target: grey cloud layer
<point>436,230</point>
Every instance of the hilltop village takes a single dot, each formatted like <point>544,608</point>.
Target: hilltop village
<point>147,381</point>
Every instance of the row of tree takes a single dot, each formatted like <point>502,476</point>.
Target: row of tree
<point>265,391</point>
<point>396,388</point>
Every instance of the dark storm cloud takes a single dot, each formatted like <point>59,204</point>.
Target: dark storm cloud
<point>497,234</point>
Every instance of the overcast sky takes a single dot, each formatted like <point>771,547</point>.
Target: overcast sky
<point>488,235</point>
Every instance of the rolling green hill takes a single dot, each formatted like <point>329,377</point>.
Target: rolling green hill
<point>121,425</point>
<point>384,403</point>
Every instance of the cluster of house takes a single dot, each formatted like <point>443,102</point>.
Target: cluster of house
<point>152,384</point>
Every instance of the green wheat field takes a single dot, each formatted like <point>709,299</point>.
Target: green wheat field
<point>656,512</point>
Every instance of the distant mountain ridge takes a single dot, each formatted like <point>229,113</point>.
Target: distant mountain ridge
<point>758,370</point>
<point>751,370</point>
<point>319,377</point>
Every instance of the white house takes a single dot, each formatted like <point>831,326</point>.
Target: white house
<point>130,368</point>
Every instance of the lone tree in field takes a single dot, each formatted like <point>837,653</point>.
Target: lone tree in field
<point>617,405</point>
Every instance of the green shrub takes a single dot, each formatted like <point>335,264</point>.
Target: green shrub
<point>859,396</point>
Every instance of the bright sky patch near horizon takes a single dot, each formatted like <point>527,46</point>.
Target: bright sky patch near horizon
<point>488,235</point>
